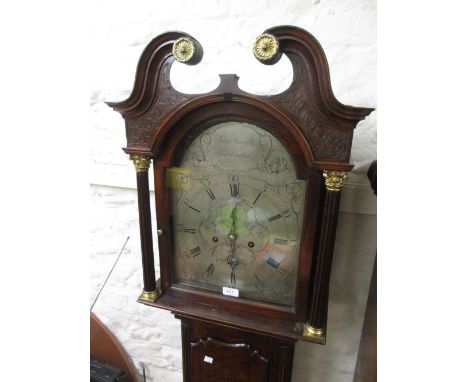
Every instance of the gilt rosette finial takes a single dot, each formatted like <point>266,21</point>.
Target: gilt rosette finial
<point>266,47</point>
<point>334,180</point>
<point>184,49</point>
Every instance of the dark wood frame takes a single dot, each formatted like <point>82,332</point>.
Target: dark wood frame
<point>203,117</point>
<point>366,363</point>
<point>316,129</point>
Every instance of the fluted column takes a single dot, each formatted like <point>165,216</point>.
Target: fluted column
<point>315,327</point>
<point>142,164</point>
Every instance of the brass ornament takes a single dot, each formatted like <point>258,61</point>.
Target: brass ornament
<point>310,331</point>
<point>150,296</point>
<point>266,47</point>
<point>184,49</point>
<point>141,162</point>
<point>334,180</point>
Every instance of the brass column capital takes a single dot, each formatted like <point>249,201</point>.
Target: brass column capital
<point>141,162</point>
<point>334,180</point>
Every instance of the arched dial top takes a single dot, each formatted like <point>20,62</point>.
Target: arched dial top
<point>237,209</point>
<point>154,106</point>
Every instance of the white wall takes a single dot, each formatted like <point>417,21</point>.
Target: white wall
<point>226,29</point>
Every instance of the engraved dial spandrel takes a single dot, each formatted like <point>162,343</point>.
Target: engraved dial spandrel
<point>237,210</point>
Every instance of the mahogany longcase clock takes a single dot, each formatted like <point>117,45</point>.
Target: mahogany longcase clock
<point>247,193</point>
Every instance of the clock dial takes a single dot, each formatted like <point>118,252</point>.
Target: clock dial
<point>237,210</point>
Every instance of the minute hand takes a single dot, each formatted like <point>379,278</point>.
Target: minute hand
<point>234,218</point>
<point>232,260</point>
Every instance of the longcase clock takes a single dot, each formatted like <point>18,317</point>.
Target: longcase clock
<point>247,193</point>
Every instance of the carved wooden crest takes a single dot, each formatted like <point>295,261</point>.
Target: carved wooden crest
<point>308,104</point>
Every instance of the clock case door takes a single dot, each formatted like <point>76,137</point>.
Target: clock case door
<point>179,137</point>
<point>307,119</point>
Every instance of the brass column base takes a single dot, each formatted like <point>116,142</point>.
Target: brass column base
<point>149,296</point>
<point>310,331</point>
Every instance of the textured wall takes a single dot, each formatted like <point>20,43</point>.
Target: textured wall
<point>226,29</point>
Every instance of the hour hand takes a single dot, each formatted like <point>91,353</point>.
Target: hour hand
<point>233,261</point>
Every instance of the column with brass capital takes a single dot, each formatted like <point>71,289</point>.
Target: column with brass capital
<point>142,164</point>
<point>317,322</point>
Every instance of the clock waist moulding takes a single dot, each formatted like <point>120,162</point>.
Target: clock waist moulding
<point>247,194</point>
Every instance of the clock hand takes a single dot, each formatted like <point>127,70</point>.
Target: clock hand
<point>232,233</point>
<point>234,218</point>
<point>232,260</point>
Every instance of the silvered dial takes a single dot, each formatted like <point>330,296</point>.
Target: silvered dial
<point>237,211</point>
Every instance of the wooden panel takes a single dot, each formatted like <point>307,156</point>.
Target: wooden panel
<point>215,353</point>
<point>214,360</point>
<point>366,364</point>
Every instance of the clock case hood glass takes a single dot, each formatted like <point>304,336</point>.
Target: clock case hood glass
<point>187,139</point>
<point>237,209</point>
